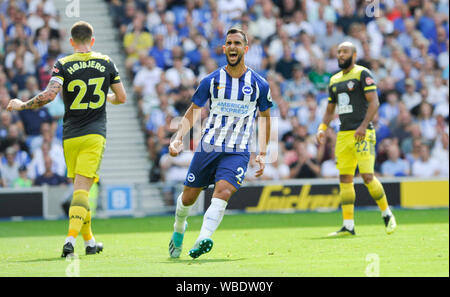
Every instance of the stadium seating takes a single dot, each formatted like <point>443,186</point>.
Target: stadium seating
<point>168,46</point>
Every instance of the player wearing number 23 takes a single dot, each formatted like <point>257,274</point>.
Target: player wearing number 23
<point>84,78</point>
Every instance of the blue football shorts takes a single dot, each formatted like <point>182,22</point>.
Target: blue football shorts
<point>208,167</point>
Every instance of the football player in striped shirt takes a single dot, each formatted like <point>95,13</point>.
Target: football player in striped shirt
<point>236,95</point>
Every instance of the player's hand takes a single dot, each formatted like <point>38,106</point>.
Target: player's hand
<point>360,134</point>
<point>110,98</point>
<point>175,147</point>
<point>260,159</point>
<point>320,137</point>
<point>15,104</point>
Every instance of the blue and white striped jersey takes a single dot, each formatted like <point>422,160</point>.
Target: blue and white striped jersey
<point>233,106</point>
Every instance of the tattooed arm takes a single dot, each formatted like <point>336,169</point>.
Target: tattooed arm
<point>39,100</point>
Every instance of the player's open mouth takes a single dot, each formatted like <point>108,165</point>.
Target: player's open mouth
<point>233,55</point>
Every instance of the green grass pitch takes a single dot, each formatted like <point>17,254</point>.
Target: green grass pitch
<point>269,245</point>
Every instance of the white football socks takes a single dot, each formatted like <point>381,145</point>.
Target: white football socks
<point>349,224</point>
<point>181,215</point>
<point>387,212</point>
<point>91,242</point>
<point>70,239</point>
<point>212,218</point>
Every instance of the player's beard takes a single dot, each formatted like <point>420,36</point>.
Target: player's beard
<point>346,63</point>
<point>238,60</point>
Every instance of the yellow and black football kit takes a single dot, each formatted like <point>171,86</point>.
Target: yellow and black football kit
<point>85,79</point>
<point>347,91</point>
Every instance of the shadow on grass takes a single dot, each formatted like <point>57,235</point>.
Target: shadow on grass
<point>337,238</point>
<point>53,259</point>
<point>169,260</point>
<point>198,261</point>
<point>231,222</point>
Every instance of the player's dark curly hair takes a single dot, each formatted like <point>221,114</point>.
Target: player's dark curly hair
<point>236,30</point>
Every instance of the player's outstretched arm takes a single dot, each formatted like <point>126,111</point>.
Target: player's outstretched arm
<point>39,100</point>
<point>327,118</point>
<point>119,96</point>
<point>187,122</point>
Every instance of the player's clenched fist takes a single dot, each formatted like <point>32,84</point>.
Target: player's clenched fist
<point>260,159</point>
<point>15,104</point>
<point>320,137</point>
<point>175,147</point>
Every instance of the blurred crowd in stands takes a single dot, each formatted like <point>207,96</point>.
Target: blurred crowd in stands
<point>171,45</point>
<point>30,141</point>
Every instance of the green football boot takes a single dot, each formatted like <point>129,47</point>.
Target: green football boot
<point>202,247</point>
<point>176,243</point>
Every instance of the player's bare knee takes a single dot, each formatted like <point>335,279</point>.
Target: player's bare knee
<point>82,182</point>
<point>346,179</point>
<point>367,178</point>
<point>223,192</point>
<point>190,195</point>
<point>188,200</point>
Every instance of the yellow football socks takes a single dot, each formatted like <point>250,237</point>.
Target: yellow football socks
<point>86,230</point>
<point>78,211</point>
<point>376,190</point>
<point>347,193</point>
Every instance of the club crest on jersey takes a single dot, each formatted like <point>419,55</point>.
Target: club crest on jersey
<point>369,81</point>
<point>350,85</point>
<point>247,90</point>
<point>191,177</point>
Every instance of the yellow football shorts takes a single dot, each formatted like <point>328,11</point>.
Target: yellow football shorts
<point>83,155</point>
<point>350,153</point>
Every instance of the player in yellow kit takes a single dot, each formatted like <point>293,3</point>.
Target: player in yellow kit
<point>353,92</point>
<point>84,79</point>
